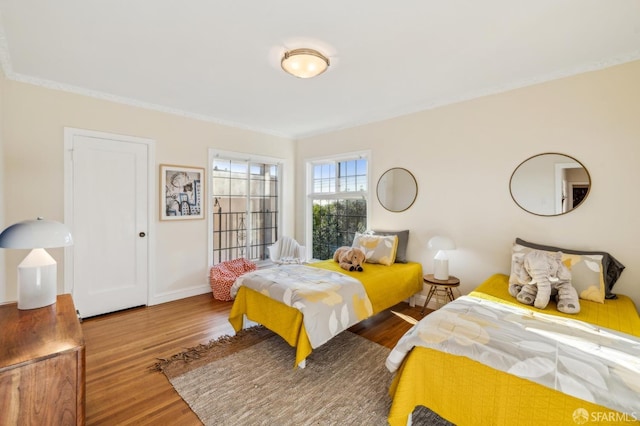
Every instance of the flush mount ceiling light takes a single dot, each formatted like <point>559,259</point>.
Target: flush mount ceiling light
<point>304,63</point>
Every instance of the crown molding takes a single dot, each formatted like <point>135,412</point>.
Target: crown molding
<point>5,63</point>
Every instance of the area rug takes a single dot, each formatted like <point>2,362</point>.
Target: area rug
<point>249,379</point>
<point>345,381</point>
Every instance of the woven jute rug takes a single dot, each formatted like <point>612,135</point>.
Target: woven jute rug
<point>250,380</point>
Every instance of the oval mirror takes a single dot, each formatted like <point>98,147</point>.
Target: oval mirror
<point>397,189</point>
<point>550,184</point>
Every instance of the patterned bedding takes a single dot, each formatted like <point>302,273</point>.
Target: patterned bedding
<point>586,367</point>
<point>330,302</point>
<point>385,286</point>
<point>577,358</point>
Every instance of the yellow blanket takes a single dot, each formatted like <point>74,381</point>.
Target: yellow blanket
<point>385,286</point>
<point>467,392</point>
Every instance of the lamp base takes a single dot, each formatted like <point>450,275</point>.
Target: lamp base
<point>441,269</point>
<point>37,275</point>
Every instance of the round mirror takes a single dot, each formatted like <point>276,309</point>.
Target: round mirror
<point>397,189</point>
<point>550,184</point>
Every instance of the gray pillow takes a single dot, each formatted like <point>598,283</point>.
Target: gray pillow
<point>403,240</point>
<point>612,267</point>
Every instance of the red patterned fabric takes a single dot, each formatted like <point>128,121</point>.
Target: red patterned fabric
<point>223,275</point>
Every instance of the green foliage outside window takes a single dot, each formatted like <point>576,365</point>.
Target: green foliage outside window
<point>335,223</point>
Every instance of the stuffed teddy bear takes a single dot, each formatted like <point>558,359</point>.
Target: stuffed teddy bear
<point>349,258</point>
<point>539,275</point>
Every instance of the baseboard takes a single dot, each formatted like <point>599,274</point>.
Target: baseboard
<point>170,296</point>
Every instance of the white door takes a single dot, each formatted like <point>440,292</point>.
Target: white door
<point>107,208</point>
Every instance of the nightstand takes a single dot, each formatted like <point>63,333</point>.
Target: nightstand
<point>439,288</point>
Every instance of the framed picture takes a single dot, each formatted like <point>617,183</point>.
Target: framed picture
<point>181,191</point>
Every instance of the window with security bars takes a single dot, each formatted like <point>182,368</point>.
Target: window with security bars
<point>245,208</point>
<point>339,198</point>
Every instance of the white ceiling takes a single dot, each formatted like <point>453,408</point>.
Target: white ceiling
<point>220,60</point>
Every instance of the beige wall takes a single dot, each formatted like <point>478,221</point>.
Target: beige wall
<point>33,172</point>
<point>3,276</point>
<point>463,155</point>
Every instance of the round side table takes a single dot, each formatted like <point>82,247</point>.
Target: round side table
<point>440,287</point>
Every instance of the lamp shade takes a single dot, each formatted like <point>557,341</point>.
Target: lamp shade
<point>442,243</point>
<point>38,233</point>
<point>304,63</point>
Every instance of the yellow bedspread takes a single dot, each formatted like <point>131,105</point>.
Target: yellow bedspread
<point>467,392</point>
<point>385,286</point>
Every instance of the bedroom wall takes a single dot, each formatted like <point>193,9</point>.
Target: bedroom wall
<point>463,154</point>
<point>3,278</point>
<point>33,120</point>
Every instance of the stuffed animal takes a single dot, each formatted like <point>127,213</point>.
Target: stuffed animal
<point>349,258</point>
<point>540,275</point>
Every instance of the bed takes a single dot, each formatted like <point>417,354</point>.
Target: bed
<point>385,286</point>
<point>467,391</point>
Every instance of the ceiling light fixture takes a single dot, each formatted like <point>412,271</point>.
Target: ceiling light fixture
<point>304,63</point>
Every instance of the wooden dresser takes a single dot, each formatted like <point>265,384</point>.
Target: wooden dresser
<point>42,365</point>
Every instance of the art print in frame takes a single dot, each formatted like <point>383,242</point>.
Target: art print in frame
<point>181,191</point>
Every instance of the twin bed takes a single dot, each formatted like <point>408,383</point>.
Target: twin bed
<point>590,358</point>
<point>385,286</point>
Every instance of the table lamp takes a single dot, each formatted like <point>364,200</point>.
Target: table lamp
<point>37,273</point>
<point>441,261</point>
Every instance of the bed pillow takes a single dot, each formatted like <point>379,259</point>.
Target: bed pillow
<point>403,241</point>
<point>587,271</point>
<point>377,248</point>
<point>612,267</point>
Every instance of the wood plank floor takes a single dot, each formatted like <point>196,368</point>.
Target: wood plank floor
<point>120,348</point>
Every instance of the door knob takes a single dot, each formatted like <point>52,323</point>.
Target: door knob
<point>142,234</point>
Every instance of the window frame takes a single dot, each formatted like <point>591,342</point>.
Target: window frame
<point>310,195</point>
<point>242,157</point>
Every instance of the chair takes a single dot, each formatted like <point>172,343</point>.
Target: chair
<point>286,250</point>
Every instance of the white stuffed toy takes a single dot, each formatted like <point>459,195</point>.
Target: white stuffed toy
<point>539,275</point>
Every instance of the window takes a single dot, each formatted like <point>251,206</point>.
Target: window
<point>339,201</point>
<point>245,206</point>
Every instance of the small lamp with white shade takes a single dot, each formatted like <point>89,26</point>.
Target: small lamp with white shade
<point>441,260</point>
<point>37,273</point>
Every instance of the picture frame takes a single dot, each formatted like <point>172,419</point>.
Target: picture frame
<point>181,192</point>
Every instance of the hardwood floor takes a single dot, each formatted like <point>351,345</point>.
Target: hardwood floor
<point>121,347</point>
